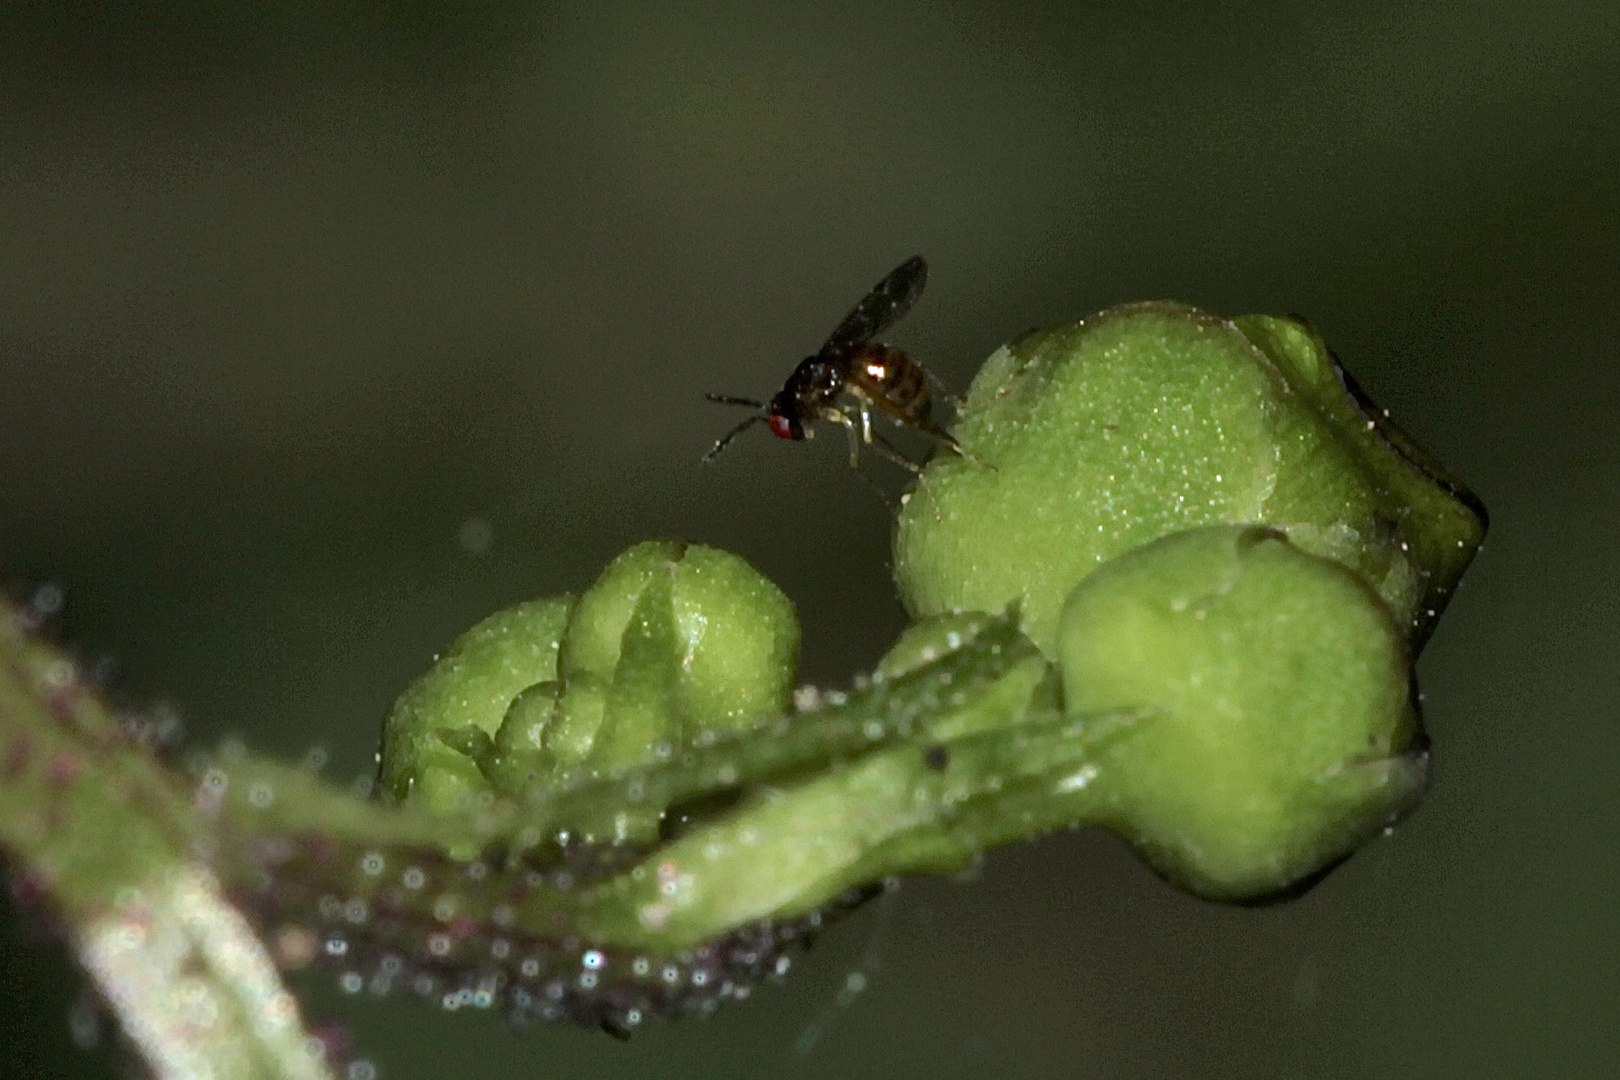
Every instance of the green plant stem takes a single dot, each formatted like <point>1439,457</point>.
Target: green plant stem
<point>113,843</point>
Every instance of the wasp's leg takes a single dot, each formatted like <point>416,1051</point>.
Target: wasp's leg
<point>945,438</point>
<point>894,454</point>
<point>854,434</point>
<point>915,469</point>
<point>942,391</point>
<point>888,500</point>
<point>855,460</point>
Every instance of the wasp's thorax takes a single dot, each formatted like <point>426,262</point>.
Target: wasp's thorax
<point>807,395</point>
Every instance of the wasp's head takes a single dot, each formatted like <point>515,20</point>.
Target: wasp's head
<point>783,417</point>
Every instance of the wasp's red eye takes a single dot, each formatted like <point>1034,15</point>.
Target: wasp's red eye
<point>781,426</point>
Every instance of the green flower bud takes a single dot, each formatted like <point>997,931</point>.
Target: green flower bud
<point>1098,436</point>
<point>672,641</point>
<point>1270,728</point>
<point>470,686</point>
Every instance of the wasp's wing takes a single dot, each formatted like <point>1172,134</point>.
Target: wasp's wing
<point>884,306</point>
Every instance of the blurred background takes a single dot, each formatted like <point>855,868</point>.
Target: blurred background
<point>325,330</point>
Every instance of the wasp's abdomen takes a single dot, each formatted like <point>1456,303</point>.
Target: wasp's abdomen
<point>892,380</point>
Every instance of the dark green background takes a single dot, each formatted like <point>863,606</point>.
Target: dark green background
<point>289,296</point>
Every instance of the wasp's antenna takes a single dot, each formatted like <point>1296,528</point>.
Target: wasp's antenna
<point>727,399</point>
<point>736,431</point>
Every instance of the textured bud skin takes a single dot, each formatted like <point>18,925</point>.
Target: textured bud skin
<point>1275,730</point>
<point>473,683</point>
<point>1150,418</point>
<point>1440,522</point>
<point>596,632</point>
<point>671,642</point>
<point>739,642</point>
<point>638,707</point>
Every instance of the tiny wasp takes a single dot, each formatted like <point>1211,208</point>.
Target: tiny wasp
<point>851,364</point>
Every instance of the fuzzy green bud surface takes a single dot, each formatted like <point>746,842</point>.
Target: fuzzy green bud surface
<point>468,690</point>
<point>1097,436</point>
<point>671,642</point>
<point>1271,725</point>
